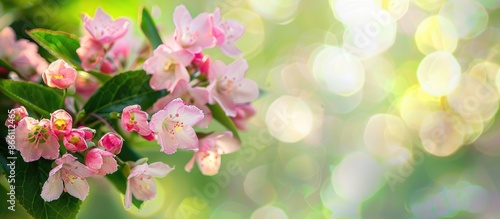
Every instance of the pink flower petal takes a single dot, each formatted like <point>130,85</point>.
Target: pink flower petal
<point>52,188</point>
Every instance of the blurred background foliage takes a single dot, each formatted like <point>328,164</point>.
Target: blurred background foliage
<point>305,154</point>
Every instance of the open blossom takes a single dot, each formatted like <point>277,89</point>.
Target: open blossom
<point>15,115</point>
<point>103,162</point>
<point>197,96</point>
<point>174,126</point>
<point>59,75</point>
<point>193,34</point>
<point>211,149</point>
<point>21,54</point>
<point>111,142</point>
<point>75,140</point>
<point>140,182</point>
<point>69,176</point>
<point>34,139</point>
<point>228,85</point>
<point>103,28</point>
<point>60,122</point>
<point>134,119</point>
<point>243,113</point>
<point>90,52</point>
<point>168,67</point>
<point>227,32</point>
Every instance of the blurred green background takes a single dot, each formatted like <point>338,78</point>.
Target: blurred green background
<point>322,145</point>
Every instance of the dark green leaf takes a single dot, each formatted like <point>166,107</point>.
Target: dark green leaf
<point>33,96</point>
<point>30,178</point>
<point>149,28</point>
<point>60,44</point>
<point>219,115</point>
<point>122,90</point>
<point>101,77</point>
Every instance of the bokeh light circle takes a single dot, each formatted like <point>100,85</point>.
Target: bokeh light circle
<point>441,133</point>
<point>436,33</point>
<point>439,73</point>
<point>468,16</point>
<point>357,177</point>
<point>342,73</point>
<point>289,119</point>
<point>277,11</point>
<point>385,135</point>
<point>269,212</point>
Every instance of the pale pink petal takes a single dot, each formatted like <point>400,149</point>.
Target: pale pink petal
<point>138,170</point>
<point>226,103</point>
<point>128,196</point>
<point>237,69</point>
<point>189,115</point>
<point>78,187</point>
<point>109,165</point>
<point>52,188</point>
<point>93,159</point>
<point>143,189</point>
<point>158,169</point>
<point>207,116</point>
<point>208,162</point>
<point>30,154</point>
<point>247,91</point>
<point>184,57</point>
<point>190,163</point>
<point>50,150</point>
<point>181,17</point>
<point>226,143</point>
<point>81,170</point>
<point>187,139</point>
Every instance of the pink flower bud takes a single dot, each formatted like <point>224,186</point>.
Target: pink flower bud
<point>89,133</point>
<point>60,122</point>
<point>112,142</point>
<point>15,115</point>
<point>59,75</point>
<point>75,141</point>
<point>134,119</point>
<point>100,160</point>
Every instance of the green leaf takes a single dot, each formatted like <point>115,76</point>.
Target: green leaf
<point>219,115</point>
<point>149,28</point>
<point>101,77</point>
<point>122,90</point>
<point>30,178</point>
<point>33,96</point>
<point>60,44</point>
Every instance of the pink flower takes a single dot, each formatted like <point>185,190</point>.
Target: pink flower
<point>35,139</point>
<point>103,28</point>
<point>75,140</point>
<point>228,85</point>
<point>202,62</point>
<point>89,133</point>
<point>90,52</point>
<point>227,32</point>
<point>15,115</point>
<point>197,96</point>
<point>107,67</point>
<point>193,34</point>
<point>168,67</point>
<point>140,182</point>
<point>134,119</point>
<point>103,162</point>
<point>60,122</point>
<point>22,55</point>
<point>59,75</point>
<point>173,125</point>
<point>86,85</point>
<point>70,172</point>
<point>111,142</point>
<point>243,113</point>
<point>211,147</point>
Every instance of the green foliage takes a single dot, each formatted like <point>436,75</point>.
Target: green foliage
<point>124,89</point>
<point>29,95</point>
<point>29,180</point>
<point>60,44</point>
<point>149,28</point>
<point>219,115</point>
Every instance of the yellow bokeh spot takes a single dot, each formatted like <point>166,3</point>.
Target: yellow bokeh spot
<point>436,33</point>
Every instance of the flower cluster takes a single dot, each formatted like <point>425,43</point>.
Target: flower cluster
<point>21,54</point>
<point>193,82</point>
